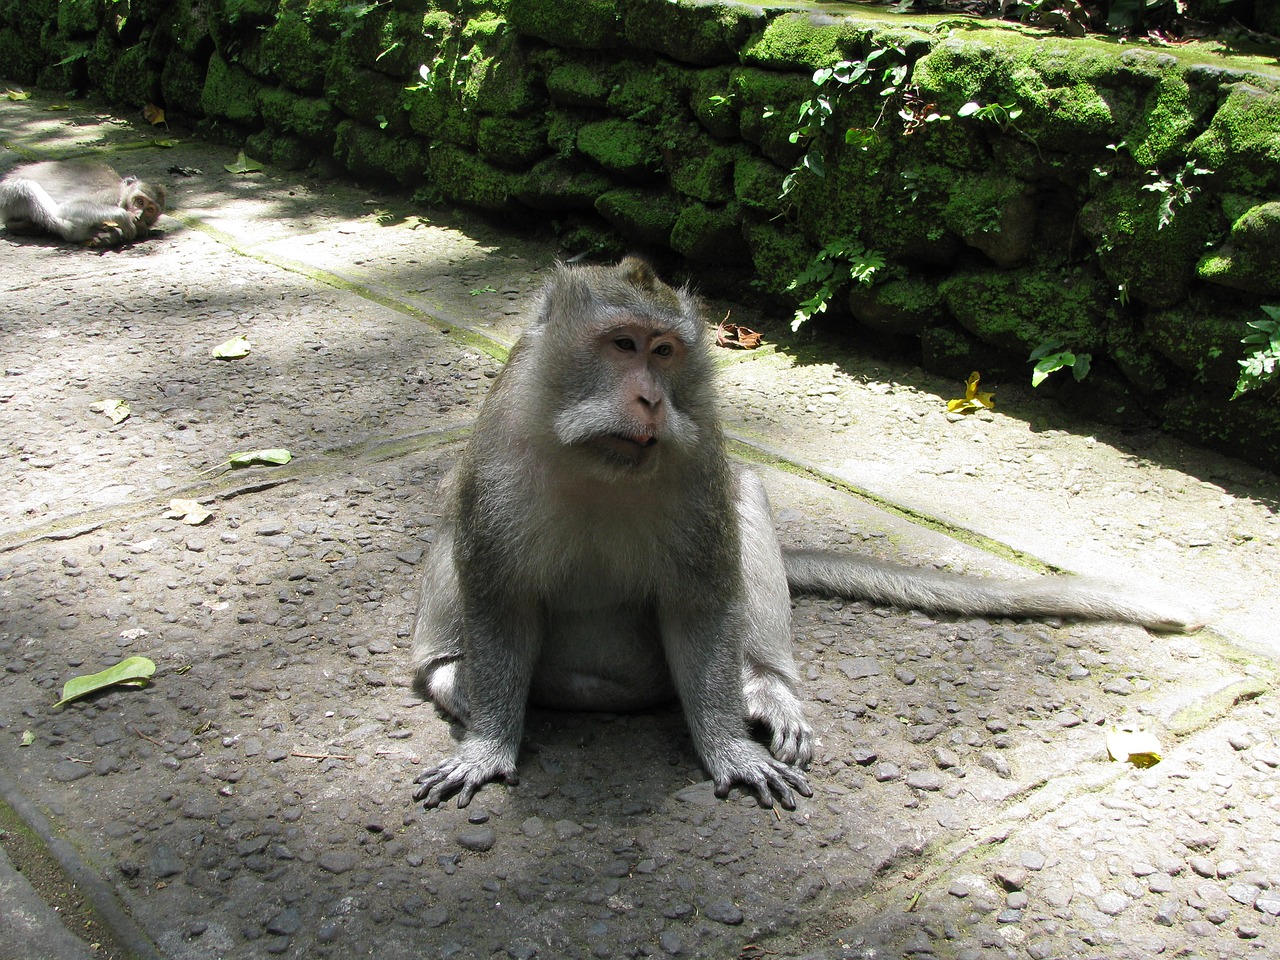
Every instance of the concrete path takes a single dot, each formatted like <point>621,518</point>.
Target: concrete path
<point>253,800</point>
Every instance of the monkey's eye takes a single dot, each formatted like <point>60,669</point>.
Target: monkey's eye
<point>663,350</point>
<point>625,344</point>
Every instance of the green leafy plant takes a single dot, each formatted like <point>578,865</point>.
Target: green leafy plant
<point>1263,365</point>
<point>1175,190</point>
<point>1052,356</point>
<point>836,265</point>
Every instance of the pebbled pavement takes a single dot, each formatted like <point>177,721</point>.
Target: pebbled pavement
<point>253,800</point>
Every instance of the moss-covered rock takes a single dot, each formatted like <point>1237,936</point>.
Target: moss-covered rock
<point>496,74</point>
<point>124,76</point>
<point>514,142</point>
<point>371,154</point>
<point>581,81</point>
<point>806,40</point>
<point>582,24</point>
<point>291,153</point>
<point>1250,259</point>
<point>80,17</point>
<point>699,167</point>
<point>642,216</point>
<point>768,104</point>
<point>709,234</point>
<point>712,101</point>
<point>230,93</point>
<point>367,96</point>
<point>757,183</point>
<point>1019,310</point>
<point>306,118</point>
<point>622,147</point>
<point>555,185</point>
<point>1242,144</point>
<point>651,93</point>
<point>995,214</point>
<point>1201,337</point>
<point>704,33</point>
<point>902,306</point>
<point>951,352</point>
<point>1248,427</point>
<point>1153,262</point>
<point>778,254</point>
<point>464,177</point>
<point>296,53</point>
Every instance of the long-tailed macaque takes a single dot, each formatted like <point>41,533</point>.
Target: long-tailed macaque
<point>600,552</point>
<point>80,201</point>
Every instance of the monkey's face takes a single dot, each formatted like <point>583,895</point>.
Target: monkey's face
<point>623,411</point>
<point>146,211</point>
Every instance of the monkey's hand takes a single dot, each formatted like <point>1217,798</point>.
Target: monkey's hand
<point>746,763</point>
<point>475,764</point>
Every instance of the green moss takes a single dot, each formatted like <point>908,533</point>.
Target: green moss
<point>768,105</point>
<point>1201,336</point>
<point>1162,132</point>
<point>903,306</point>
<point>1154,264</point>
<point>621,146</point>
<point>79,17</point>
<point>701,168</point>
<point>581,83</point>
<point>1018,310</point>
<point>557,185</point>
<point>713,102</point>
<point>584,24</point>
<point>1248,426</point>
<point>496,74</point>
<point>371,153</point>
<point>758,183</point>
<point>463,177</point>
<point>655,93</point>
<point>1133,352</point>
<point>709,234</point>
<point>703,33</point>
<point>1242,144</point>
<point>282,150</point>
<point>642,216</point>
<point>515,142</point>
<point>308,118</point>
<point>804,40</point>
<point>367,96</point>
<point>295,53</point>
<point>1250,259</point>
<point>230,93</point>
<point>778,255</point>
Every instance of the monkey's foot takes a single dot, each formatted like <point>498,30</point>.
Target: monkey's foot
<point>770,702</point>
<point>109,234</point>
<point>476,763</point>
<point>745,763</point>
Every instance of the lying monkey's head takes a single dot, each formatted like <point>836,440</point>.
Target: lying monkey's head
<point>144,200</point>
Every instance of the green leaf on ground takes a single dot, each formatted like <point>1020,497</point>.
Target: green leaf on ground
<point>133,672</point>
<point>274,457</point>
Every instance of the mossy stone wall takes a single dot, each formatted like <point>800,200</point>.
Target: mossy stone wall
<point>1126,201</point>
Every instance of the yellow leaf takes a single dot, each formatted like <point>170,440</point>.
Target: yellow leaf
<point>1138,747</point>
<point>974,399</point>
<point>117,410</point>
<point>188,511</point>
<point>17,94</point>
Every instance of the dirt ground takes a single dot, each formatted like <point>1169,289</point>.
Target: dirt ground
<point>254,799</point>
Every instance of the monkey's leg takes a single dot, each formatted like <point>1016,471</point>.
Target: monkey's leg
<point>701,639</point>
<point>501,637</point>
<point>769,677</point>
<point>96,224</point>
<point>437,633</point>
<point>27,207</point>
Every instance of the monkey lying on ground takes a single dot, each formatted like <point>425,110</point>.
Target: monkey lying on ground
<point>599,552</point>
<point>79,201</point>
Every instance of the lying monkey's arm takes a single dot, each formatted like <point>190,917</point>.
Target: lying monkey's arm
<point>500,648</point>
<point>706,664</point>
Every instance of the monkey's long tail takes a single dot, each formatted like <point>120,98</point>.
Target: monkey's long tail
<point>860,578</point>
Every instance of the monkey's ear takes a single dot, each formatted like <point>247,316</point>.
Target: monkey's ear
<point>638,273</point>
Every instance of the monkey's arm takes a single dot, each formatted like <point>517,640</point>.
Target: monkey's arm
<point>706,664</point>
<point>501,641</point>
<point>861,578</point>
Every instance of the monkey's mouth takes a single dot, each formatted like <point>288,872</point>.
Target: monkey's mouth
<point>635,448</point>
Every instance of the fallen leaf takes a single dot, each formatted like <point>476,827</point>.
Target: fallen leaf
<point>232,349</point>
<point>1138,747</point>
<point>733,335</point>
<point>166,144</point>
<point>28,738</point>
<point>242,165</point>
<point>17,95</point>
<point>58,107</point>
<point>133,672</point>
<point>974,399</point>
<point>272,457</point>
<point>190,512</point>
<point>117,410</point>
